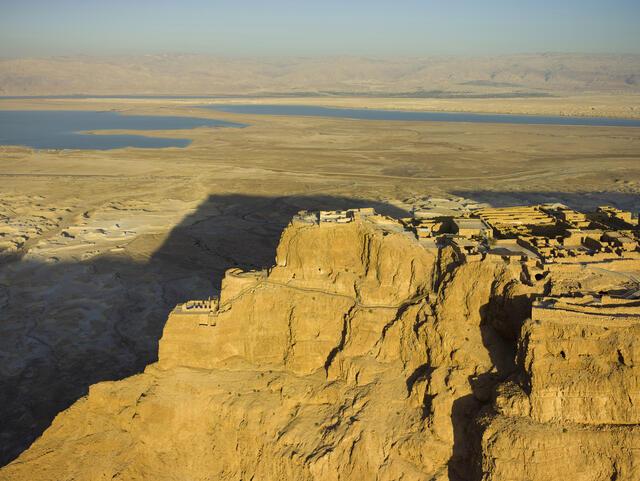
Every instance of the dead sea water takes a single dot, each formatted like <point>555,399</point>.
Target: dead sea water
<point>403,115</point>
<point>70,129</point>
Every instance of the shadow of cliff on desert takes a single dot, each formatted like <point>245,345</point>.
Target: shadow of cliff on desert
<point>582,201</point>
<point>66,325</point>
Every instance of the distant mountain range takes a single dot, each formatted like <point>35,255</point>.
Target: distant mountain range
<point>444,76</point>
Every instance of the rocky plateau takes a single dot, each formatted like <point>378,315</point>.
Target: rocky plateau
<point>364,354</point>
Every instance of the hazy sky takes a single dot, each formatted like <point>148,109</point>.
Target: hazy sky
<point>328,27</point>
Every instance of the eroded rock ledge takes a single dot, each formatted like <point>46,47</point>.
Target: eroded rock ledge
<point>367,353</point>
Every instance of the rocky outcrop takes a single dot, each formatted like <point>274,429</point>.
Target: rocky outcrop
<point>336,293</point>
<point>519,448</point>
<point>360,354</point>
<point>575,412</point>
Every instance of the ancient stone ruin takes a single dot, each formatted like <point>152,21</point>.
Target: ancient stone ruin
<point>495,345</point>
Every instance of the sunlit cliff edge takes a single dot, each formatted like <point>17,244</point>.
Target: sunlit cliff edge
<point>496,345</point>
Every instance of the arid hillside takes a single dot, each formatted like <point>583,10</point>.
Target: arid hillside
<point>515,75</point>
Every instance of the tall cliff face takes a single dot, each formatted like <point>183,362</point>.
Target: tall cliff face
<point>359,355</point>
<point>336,293</point>
<point>576,411</point>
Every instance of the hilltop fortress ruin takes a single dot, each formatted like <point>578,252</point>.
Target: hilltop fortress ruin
<point>545,240</point>
<point>498,344</point>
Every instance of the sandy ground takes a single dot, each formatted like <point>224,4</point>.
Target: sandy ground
<point>98,246</point>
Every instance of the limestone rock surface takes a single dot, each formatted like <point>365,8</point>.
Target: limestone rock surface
<point>359,355</point>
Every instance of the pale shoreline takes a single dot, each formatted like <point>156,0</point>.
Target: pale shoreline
<point>626,106</point>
